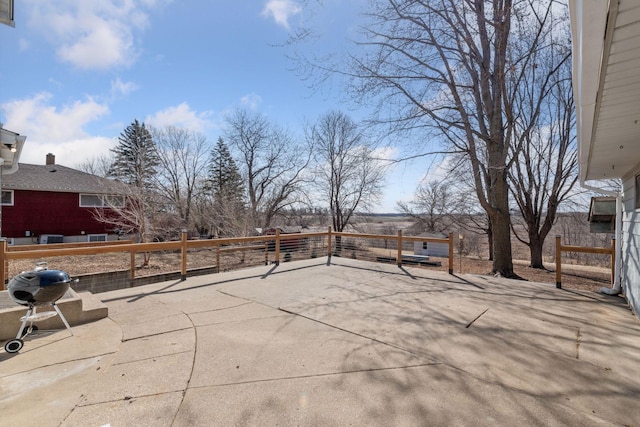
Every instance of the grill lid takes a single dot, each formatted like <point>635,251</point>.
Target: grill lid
<point>51,277</point>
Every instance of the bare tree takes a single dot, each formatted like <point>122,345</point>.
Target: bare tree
<point>131,210</point>
<point>271,162</point>
<point>545,168</point>
<point>98,165</point>
<point>182,168</point>
<point>431,207</point>
<point>348,177</point>
<point>441,67</point>
<point>547,171</point>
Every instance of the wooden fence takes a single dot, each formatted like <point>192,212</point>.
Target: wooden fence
<point>565,248</point>
<point>268,242</point>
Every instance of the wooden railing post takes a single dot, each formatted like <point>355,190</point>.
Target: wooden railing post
<point>277,261</point>
<point>132,264</point>
<point>558,262</point>
<point>329,241</point>
<point>4,264</point>
<point>451,253</point>
<point>399,256</point>
<point>183,250</point>
<point>218,259</point>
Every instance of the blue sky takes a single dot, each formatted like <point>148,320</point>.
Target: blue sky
<point>75,73</point>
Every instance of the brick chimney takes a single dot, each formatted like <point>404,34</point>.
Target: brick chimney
<point>51,159</point>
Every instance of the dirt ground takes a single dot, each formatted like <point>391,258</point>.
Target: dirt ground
<point>577,277</point>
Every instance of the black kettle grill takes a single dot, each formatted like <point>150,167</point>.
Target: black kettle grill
<point>39,287</point>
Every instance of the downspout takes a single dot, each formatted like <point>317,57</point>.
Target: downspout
<point>617,285</point>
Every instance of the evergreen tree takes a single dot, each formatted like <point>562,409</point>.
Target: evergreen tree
<point>136,158</point>
<point>135,163</point>
<point>225,182</point>
<point>226,187</point>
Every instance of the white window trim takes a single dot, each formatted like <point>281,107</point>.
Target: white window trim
<point>92,195</point>
<point>12,198</point>
<point>102,198</point>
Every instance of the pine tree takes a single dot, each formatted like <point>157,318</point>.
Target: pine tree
<point>226,187</point>
<point>225,181</point>
<point>135,163</point>
<point>136,158</point>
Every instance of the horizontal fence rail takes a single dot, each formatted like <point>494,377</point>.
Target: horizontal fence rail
<point>271,245</point>
<point>567,248</point>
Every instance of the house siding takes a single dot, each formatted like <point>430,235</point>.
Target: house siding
<point>42,212</point>
<point>630,256</point>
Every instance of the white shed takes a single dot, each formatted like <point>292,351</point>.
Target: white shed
<point>431,248</point>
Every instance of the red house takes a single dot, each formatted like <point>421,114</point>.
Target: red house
<point>53,204</point>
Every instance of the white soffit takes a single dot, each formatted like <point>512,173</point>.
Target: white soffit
<point>11,145</point>
<point>6,12</point>
<point>607,86</point>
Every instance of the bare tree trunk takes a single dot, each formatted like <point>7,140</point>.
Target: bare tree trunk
<point>490,239</point>
<point>535,249</point>
<point>501,229</point>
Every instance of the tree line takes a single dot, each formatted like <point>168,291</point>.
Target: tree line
<point>483,84</point>
<point>254,175</point>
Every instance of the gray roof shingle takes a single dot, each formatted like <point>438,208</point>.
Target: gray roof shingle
<point>56,178</point>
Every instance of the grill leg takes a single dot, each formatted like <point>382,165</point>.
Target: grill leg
<point>24,322</point>
<point>63,319</point>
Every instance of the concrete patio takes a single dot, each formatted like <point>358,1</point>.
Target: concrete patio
<point>334,343</point>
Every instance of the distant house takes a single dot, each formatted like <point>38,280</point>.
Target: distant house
<point>606,82</point>
<point>53,204</point>
<point>286,245</point>
<point>432,248</point>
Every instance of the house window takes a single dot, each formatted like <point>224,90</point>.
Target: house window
<point>425,245</point>
<point>97,238</point>
<point>91,201</point>
<point>100,201</point>
<point>637,204</point>
<point>7,197</point>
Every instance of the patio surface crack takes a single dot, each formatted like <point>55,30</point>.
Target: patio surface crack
<point>319,375</point>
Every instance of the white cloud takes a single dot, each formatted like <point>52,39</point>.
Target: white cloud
<point>100,48</point>
<point>39,120</point>
<point>251,101</point>
<point>56,83</point>
<point>181,116</point>
<point>24,45</point>
<point>69,153</point>
<point>120,88</point>
<point>56,130</point>
<point>281,11</point>
<point>91,34</point>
